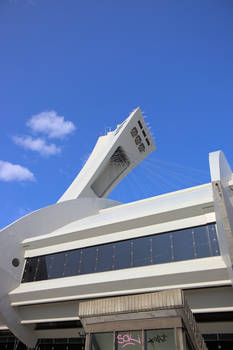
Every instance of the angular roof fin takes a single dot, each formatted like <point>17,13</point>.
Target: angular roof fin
<point>113,157</point>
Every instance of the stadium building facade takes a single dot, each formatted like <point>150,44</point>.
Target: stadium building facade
<point>86,251</point>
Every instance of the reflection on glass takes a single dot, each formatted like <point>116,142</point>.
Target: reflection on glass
<point>102,341</point>
<point>55,265</point>
<point>72,262</point>
<point>30,269</point>
<point>161,248</point>
<point>122,254</point>
<point>41,270</point>
<point>183,245</point>
<point>142,251</point>
<point>191,243</point>
<point>105,258</point>
<point>213,239</point>
<point>160,339</point>
<point>202,246</point>
<point>129,340</point>
<point>88,260</point>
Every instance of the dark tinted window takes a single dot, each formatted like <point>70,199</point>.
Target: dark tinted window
<point>130,339</point>
<point>122,254</point>
<point>161,248</point>
<point>213,239</point>
<point>88,260</point>
<point>183,245</point>
<point>30,269</point>
<point>160,339</point>
<point>101,341</point>
<point>191,243</point>
<point>105,257</point>
<point>141,251</point>
<point>42,270</point>
<point>72,262</point>
<point>55,264</point>
<point>201,239</point>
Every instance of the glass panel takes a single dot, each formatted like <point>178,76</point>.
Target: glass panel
<point>201,242</point>
<point>197,242</point>
<point>213,239</point>
<point>102,341</point>
<point>88,260</point>
<point>30,270</point>
<point>42,270</point>
<point>161,248</point>
<point>183,245</point>
<point>72,263</point>
<point>105,258</point>
<point>141,251</point>
<point>55,264</point>
<point>130,340</point>
<point>122,254</point>
<point>160,339</point>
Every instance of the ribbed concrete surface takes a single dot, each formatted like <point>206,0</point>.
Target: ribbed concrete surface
<point>132,303</point>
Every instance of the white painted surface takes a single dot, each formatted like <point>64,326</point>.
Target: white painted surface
<point>96,168</point>
<point>119,236</point>
<point>183,204</point>
<point>220,169</point>
<point>34,224</point>
<point>51,312</point>
<point>185,274</point>
<point>89,221</point>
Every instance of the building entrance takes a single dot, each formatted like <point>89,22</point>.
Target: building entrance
<point>153,321</point>
<point>161,339</point>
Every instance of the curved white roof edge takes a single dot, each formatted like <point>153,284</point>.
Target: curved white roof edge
<point>32,225</point>
<point>114,156</point>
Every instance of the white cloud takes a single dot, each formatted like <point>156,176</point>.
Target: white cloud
<point>38,145</point>
<point>14,172</point>
<point>51,124</point>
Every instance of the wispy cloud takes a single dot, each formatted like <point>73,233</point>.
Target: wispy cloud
<point>14,172</point>
<point>37,144</point>
<point>51,124</point>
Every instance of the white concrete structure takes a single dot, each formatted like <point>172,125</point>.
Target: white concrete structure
<point>45,291</point>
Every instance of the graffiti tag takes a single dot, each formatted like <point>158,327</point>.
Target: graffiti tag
<point>126,339</point>
<point>158,339</point>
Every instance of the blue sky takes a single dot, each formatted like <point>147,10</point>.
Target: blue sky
<point>71,69</point>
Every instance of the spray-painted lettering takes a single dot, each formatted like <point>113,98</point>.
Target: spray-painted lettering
<point>158,339</point>
<point>126,339</point>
